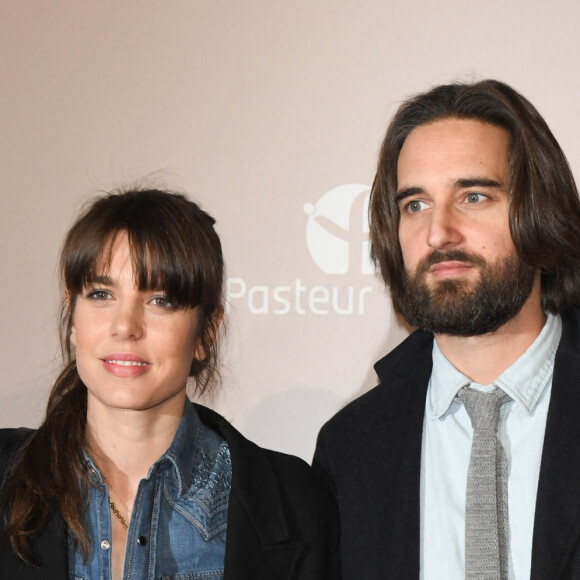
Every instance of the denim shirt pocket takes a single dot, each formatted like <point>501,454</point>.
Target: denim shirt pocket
<point>208,518</point>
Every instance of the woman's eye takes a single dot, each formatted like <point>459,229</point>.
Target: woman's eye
<point>98,295</point>
<point>162,302</point>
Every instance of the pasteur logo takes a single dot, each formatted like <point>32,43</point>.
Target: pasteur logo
<point>337,237</point>
<point>337,232</point>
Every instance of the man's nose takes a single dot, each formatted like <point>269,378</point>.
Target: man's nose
<point>444,228</point>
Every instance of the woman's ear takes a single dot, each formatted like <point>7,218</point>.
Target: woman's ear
<point>68,306</point>
<point>200,352</point>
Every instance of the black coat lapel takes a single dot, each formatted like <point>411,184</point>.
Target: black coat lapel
<point>404,376</point>
<point>371,452</point>
<point>557,517</point>
<point>260,542</point>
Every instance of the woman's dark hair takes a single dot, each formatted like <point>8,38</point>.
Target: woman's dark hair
<point>544,205</point>
<point>174,248</point>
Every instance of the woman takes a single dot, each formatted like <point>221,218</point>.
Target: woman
<point>125,478</point>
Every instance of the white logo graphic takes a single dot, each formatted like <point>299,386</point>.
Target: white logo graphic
<point>337,232</point>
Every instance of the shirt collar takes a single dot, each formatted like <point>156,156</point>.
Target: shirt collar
<point>524,381</point>
<point>187,442</point>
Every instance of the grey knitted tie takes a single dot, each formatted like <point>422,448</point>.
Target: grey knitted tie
<point>486,508</point>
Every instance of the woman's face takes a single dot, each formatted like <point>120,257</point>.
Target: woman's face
<point>134,349</point>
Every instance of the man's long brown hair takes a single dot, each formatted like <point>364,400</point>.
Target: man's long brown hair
<point>174,248</point>
<point>544,205</point>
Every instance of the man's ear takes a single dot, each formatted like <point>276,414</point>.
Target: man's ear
<point>200,352</point>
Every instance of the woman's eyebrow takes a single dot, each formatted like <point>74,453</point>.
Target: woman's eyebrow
<point>105,280</point>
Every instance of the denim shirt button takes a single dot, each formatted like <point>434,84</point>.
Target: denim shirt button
<point>142,540</point>
<point>105,545</point>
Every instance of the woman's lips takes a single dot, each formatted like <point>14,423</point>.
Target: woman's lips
<point>125,365</point>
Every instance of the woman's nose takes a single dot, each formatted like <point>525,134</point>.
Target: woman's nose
<point>127,323</point>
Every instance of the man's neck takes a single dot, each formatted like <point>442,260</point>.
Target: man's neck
<point>483,358</point>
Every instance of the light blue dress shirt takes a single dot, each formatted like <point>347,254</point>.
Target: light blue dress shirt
<point>178,525</point>
<point>447,436</point>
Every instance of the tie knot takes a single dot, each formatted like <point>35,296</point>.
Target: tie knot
<point>483,408</point>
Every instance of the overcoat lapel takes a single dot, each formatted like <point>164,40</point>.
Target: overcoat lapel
<point>557,517</point>
<point>404,391</point>
<point>260,542</point>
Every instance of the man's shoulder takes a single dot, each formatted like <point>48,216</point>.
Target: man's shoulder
<point>570,328</point>
<point>416,347</point>
<point>395,370</point>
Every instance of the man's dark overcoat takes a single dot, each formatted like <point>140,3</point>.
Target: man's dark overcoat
<point>371,454</point>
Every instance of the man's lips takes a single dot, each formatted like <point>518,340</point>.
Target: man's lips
<point>449,269</point>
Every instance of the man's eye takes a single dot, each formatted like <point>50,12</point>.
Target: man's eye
<point>415,206</point>
<point>474,197</point>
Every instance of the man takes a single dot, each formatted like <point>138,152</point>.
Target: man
<point>475,224</point>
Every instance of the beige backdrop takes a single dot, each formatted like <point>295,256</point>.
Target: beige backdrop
<point>270,113</point>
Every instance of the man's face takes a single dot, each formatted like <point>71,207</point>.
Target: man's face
<point>462,273</point>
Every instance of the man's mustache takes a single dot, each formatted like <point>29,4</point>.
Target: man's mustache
<point>448,256</point>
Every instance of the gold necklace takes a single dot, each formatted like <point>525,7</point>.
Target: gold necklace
<point>118,514</point>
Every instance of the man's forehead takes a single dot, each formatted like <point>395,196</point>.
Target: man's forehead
<point>453,150</point>
<point>453,128</point>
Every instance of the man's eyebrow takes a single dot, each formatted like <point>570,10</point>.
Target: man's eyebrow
<point>407,192</point>
<point>478,182</point>
<point>463,182</point>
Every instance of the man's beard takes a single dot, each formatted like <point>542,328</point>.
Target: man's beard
<point>461,307</point>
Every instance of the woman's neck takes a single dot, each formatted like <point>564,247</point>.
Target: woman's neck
<point>124,443</point>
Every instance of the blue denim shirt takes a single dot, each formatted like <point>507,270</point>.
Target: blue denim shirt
<point>178,524</point>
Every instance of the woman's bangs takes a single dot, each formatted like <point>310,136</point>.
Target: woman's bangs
<point>87,259</point>
<point>160,265</point>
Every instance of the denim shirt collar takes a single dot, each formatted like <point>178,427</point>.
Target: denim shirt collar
<point>524,381</point>
<point>180,457</point>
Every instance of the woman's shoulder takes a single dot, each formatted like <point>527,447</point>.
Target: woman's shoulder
<point>277,500</point>
<point>239,444</point>
<point>12,438</point>
<point>11,441</point>
<point>248,458</point>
